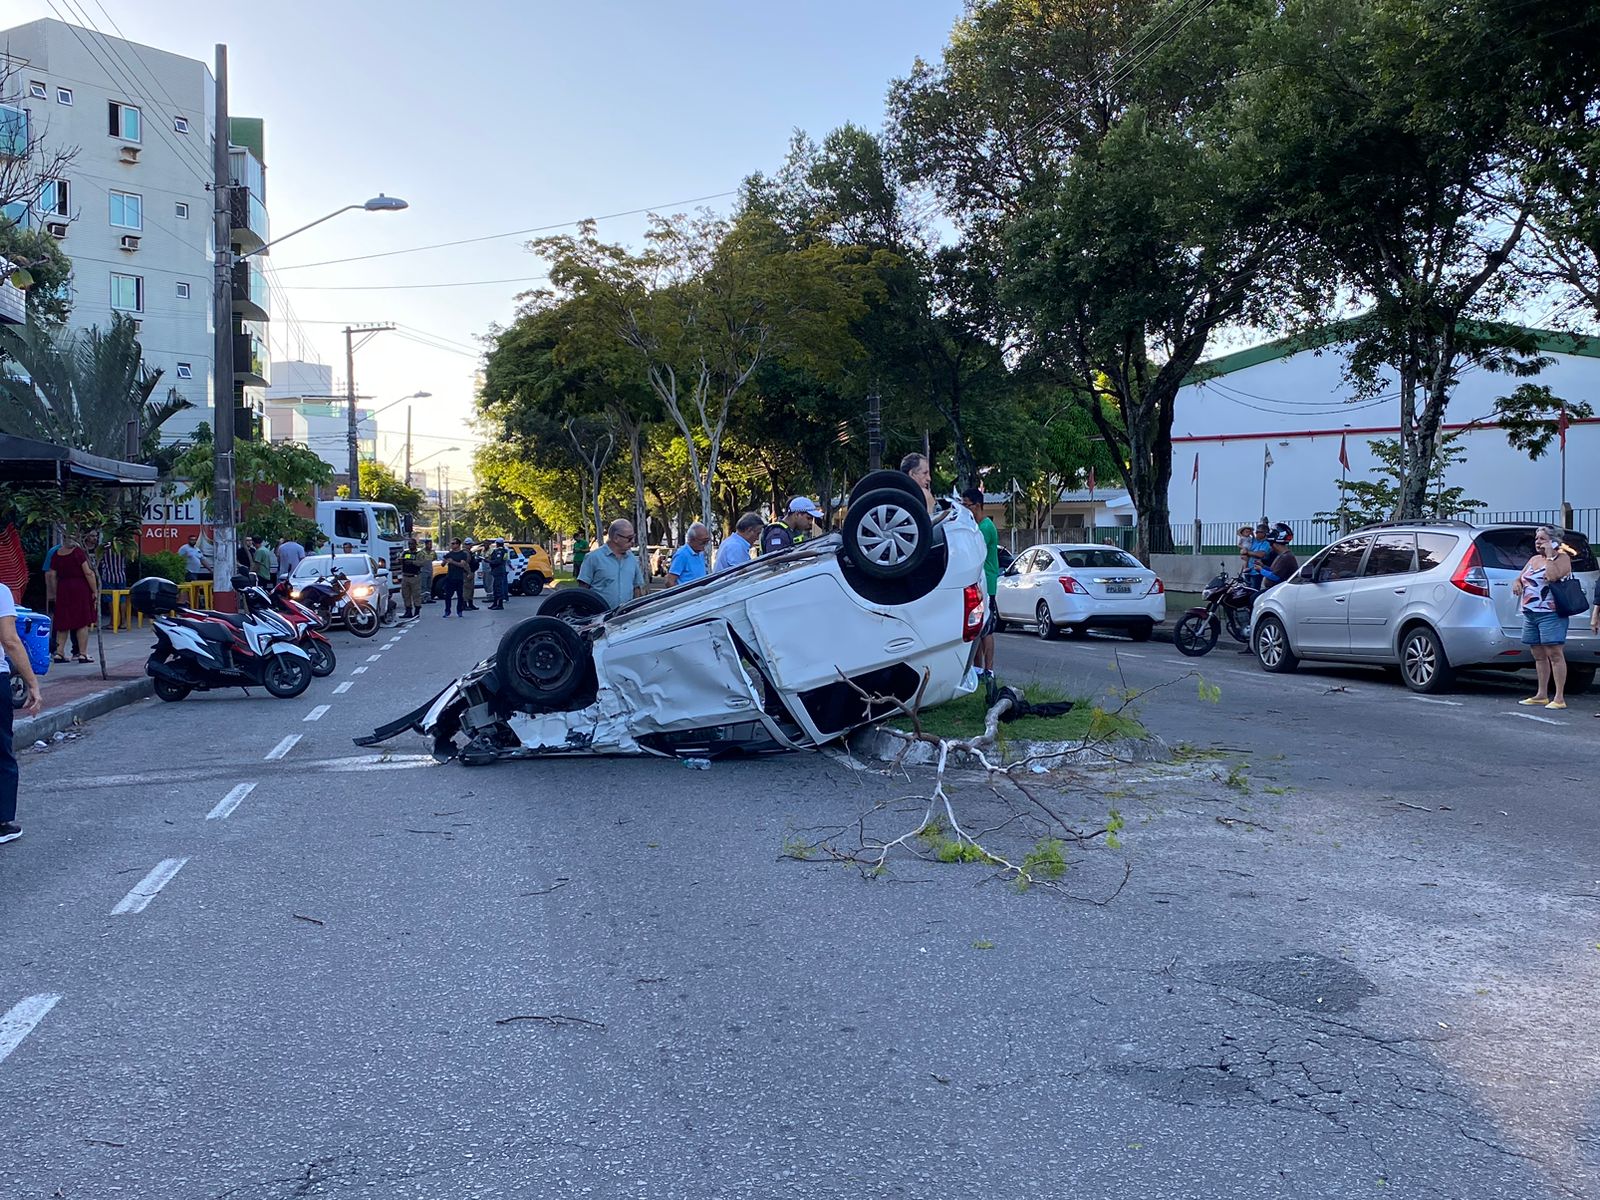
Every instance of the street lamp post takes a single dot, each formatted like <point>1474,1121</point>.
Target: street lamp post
<point>424,459</point>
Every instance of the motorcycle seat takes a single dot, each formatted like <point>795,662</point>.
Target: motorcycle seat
<point>208,630</point>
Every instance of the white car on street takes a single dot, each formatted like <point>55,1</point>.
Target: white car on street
<point>790,650</point>
<point>1078,587</point>
<point>369,582</point>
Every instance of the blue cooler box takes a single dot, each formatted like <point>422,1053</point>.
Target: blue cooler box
<point>34,630</point>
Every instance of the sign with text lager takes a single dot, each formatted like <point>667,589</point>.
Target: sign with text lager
<point>168,524</point>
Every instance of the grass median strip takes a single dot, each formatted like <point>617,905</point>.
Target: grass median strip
<point>964,716</point>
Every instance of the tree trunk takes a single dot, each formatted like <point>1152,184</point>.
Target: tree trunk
<point>636,451</point>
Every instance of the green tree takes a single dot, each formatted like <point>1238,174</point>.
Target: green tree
<point>292,471</point>
<point>382,486</point>
<point>41,269</point>
<point>1367,501</point>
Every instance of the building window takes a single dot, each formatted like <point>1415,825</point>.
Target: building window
<point>127,293</point>
<point>185,370</point>
<point>64,96</point>
<point>183,291</point>
<point>56,199</point>
<point>181,124</point>
<point>181,210</point>
<point>127,210</point>
<point>38,90</point>
<point>124,121</point>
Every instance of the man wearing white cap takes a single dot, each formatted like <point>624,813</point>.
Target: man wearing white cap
<point>801,522</point>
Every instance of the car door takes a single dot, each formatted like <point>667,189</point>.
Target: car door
<point>1321,624</point>
<point>1008,590</point>
<point>1381,592</point>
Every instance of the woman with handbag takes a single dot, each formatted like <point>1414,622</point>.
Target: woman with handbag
<point>1544,628</point>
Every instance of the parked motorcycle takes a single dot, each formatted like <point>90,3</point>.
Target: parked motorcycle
<point>197,650</point>
<point>1227,600</point>
<point>307,626</point>
<point>334,598</point>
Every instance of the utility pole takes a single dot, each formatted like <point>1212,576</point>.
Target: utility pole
<point>352,436</point>
<point>224,498</point>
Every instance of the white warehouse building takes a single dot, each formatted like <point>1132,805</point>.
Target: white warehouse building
<point>1291,404</point>
<point>133,209</point>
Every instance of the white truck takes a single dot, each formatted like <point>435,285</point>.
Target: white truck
<point>369,528</point>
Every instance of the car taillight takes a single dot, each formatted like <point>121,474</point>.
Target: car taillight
<point>1470,576</point>
<point>971,612</point>
<point>1071,586</point>
<point>1157,588</point>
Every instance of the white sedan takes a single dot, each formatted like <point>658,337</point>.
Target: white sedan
<point>369,582</point>
<point>1077,588</point>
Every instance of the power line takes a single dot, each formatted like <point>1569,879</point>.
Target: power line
<point>490,237</point>
<point>474,354</point>
<point>401,287</point>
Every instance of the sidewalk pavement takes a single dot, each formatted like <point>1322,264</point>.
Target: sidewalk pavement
<point>75,692</point>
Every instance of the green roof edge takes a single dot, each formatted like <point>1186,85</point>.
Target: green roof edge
<point>1549,341</point>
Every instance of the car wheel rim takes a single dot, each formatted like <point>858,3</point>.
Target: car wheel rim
<point>1271,644</point>
<point>544,663</point>
<point>1420,663</point>
<point>1042,619</point>
<point>887,535</point>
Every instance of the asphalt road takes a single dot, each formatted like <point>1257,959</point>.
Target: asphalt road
<point>238,966</point>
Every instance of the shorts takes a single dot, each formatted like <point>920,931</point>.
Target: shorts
<point>1543,629</point>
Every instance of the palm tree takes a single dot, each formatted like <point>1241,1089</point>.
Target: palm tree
<point>83,391</point>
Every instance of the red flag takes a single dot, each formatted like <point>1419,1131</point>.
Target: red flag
<point>1195,478</point>
<point>1344,454</point>
<point>1091,483</point>
<point>1561,428</point>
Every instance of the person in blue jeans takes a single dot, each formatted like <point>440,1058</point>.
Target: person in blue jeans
<point>13,658</point>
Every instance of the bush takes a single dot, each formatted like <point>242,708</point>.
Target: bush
<point>275,521</point>
<point>166,563</point>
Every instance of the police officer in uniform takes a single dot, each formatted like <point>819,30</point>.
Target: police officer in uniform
<point>499,561</point>
<point>411,562</point>
<point>802,522</point>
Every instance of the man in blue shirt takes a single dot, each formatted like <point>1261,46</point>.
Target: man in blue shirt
<point>689,563</point>
<point>1260,553</point>
<point>613,570</point>
<point>736,547</point>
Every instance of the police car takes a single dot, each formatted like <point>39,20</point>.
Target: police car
<point>529,571</point>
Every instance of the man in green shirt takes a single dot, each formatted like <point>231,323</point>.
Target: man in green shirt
<point>265,561</point>
<point>973,499</point>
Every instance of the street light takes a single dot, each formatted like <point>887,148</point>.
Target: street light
<point>379,203</point>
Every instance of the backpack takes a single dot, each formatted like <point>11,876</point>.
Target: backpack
<point>776,538</point>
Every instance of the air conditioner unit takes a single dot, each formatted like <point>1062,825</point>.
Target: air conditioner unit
<point>130,154</point>
<point>138,325</point>
<point>56,229</point>
<point>129,241</point>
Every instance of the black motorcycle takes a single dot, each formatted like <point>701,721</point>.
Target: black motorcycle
<point>1225,600</point>
<point>334,598</point>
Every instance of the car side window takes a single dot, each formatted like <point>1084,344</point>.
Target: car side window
<point>1342,561</point>
<point>1392,554</point>
<point>1043,560</point>
<point>1434,549</point>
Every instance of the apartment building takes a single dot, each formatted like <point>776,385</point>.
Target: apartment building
<point>133,210</point>
<point>302,407</point>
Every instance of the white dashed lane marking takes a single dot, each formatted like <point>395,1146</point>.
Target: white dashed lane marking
<point>359,671</point>
<point>317,713</point>
<point>1434,700</point>
<point>282,747</point>
<point>371,658</point>
<point>342,688</point>
<point>20,1021</point>
<point>137,900</point>
<point>231,801</point>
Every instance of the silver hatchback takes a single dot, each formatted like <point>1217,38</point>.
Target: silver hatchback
<point>1429,597</point>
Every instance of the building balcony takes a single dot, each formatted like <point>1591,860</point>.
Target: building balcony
<point>250,300</point>
<point>248,225</point>
<point>250,361</point>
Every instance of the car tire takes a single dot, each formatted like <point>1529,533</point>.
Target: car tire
<point>542,662</point>
<point>437,587</point>
<point>575,606</point>
<point>1142,633</point>
<point>1580,680</point>
<point>532,582</point>
<point>1194,635</point>
<point>1271,644</point>
<point>888,533</point>
<point>1077,633</point>
<point>1423,665</point>
<point>874,481</point>
<point>1043,623</point>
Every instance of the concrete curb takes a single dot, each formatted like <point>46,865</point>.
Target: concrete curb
<point>58,720</point>
<point>879,746</point>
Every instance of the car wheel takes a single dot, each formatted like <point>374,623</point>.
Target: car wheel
<point>286,676</point>
<point>532,583</point>
<point>541,661</point>
<point>888,533</point>
<point>1423,665</point>
<point>437,587</point>
<point>1043,623</point>
<point>1579,680</point>
<point>874,481</point>
<point>575,606</point>
<point>170,690</point>
<point>1194,635</point>
<point>1142,633</point>
<point>1272,646</point>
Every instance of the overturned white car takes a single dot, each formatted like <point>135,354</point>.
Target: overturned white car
<point>779,654</point>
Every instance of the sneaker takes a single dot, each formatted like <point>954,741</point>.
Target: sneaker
<point>10,831</point>
<point>447,614</point>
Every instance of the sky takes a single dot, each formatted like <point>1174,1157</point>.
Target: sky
<point>496,116</point>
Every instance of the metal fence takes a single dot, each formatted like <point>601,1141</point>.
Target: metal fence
<point>1312,533</point>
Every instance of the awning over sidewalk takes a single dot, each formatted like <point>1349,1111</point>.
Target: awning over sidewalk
<point>25,460</point>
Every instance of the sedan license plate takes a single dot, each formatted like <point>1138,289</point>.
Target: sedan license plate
<point>1118,589</point>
